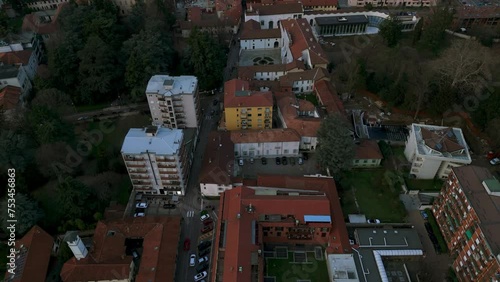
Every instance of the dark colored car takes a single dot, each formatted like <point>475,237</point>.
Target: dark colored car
<point>284,161</point>
<point>206,228</point>
<point>292,161</point>
<point>264,161</point>
<point>187,244</point>
<point>201,267</point>
<point>204,252</point>
<point>278,160</point>
<point>169,206</point>
<point>305,156</point>
<point>216,102</point>
<point>203,245</point>
<point>208,222</point>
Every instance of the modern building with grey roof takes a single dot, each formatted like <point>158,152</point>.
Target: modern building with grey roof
<point>435,150</point>
<point>375,248</point>
<point>174,101</point>
<point>158,159</point>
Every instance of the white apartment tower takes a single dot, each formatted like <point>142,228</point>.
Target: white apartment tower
<point>435,150</point>
<point>174,101</point>
<point>76,245</point>
<point>157,160</point>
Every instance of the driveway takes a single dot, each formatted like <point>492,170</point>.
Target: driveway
<point>249,170</point>
<point>436,266</point>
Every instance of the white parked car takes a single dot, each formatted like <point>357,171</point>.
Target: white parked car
<point>240,162</point>
<point>192,260</point>
<point>203,259</point>
<point>204,217</point>
<point>495,161</point>
<point>139,214</point>
<point>200,276</point>
<point>377,221</point>
<point>141,205</point>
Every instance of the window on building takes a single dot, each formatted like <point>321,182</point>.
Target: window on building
<point>259,115</point>
<point>356,161</point>
<point>278,228</point>
<point>259,109</point>
<point>249,115</point>
<point>285,151</point>
<point>365,161</point>
<point>278,234</point>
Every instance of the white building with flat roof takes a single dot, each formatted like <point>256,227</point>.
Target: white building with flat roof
<point>435,150</point>
<point>157,160</point>
<point>342,268</point>
<point>174,101</point>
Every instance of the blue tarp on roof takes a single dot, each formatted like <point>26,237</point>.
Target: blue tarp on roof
<point>317,218</point>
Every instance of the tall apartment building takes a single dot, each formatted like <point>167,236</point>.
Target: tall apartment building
<point>245,109</point>
<point>157,160</point>
<point>435,150</point>
<point>174,101</point>
<point>468,214</point>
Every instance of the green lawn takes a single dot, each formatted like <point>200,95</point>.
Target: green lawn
<point>375,197</point>
<point>286,271</point>
<point>424,185</point>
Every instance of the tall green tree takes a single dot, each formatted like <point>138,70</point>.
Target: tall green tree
<point>433,34</point>
<point>74,198</point>
<point>136,20</point>
<point>98,69</point>
<point>28,213</point>
<point>54,100</point>
<point>16,150</point>
<point>390,30</point>
<point>207,58</point>
<point>48,127</point>
<point>335,151</point>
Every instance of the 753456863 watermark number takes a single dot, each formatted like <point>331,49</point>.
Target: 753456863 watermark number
<point>11,220</point>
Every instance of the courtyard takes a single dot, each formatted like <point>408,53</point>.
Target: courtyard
<point>283,265</point>
<point>260,57</point>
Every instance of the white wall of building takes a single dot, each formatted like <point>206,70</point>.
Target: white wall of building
<point>266,43</point>
<point>45,5</point>
<point>213,190</point>
<point>308,143</point>
<point>22,81</point>
<point>399,3</point>
<point>269,75</point>
<point>270,149</point>
<point>271,21</point>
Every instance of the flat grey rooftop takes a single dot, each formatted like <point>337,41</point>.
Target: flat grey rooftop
<point>355,19</point>
<point>166,142</point>
<point>172,85</point>
<point>260,57</point>
<point>388,238</point>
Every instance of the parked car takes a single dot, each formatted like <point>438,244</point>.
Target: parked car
<point>203,245</point>
<point>240,162</point>
<point>216,102</point>
<point>252,160</point>
<point>135,254</point>
<point>204,217</point>
<point>169,206</point>
<point>373,221</point>
<point>208,221</point>
<point>192,260</point>
<point>292,161</point>
<point>139,214</point>
<point>284,161</point>
<point>206,229</point>
<point>202,267</point>
<point>424,215</point>
<point>204,252</point>
<point>187,244</point>
<point>203,259</point>
<point>495,161</point>
<point>305,156</point>
<point>264,161</point>
<point>200,276</point>
<point>141,205</point>
<point>278,161</point>
<point>301,161</point>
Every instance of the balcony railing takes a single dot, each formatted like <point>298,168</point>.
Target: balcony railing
<point>136,165</point>
<point>134,176</point>
<point>137,171</point>
<point>133,159</point>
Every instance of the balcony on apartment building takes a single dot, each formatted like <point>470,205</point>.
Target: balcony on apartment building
<point>139,176</point>
<point>138,165</point>
<point>132,158</point>
<point>137,170</point>
<point>172,188</point>
<point>180,115</point>
<point>176,98</point>
<point>141,182</point>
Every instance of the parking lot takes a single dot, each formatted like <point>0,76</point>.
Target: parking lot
<point>248,170</point>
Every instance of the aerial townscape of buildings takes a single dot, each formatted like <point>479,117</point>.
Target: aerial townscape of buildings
<point>228,187</point>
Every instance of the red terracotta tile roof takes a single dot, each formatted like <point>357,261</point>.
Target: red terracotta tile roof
<point>238,230</point>
<point>9,97</point>
<point>237,94</point>
<point>338,239</point>
<point>16,57</point>
<point>252,30</point>
<point>302,38</point>
<point>107,259</point>
<point>305,127</point>
<point>268,135</point>
<point>306,106</point>
<point>198,18</point>
<point>311,74</point>
<point>319,3</point>
<point>368,150</point>
<point>327,96</point>
<point>37,247</point>
<point>218,161</point>
<point>275,9</point>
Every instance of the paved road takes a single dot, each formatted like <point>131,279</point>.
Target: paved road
<point>191,203</point>
<point>106,112</point>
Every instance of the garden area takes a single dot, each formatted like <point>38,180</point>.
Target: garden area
<point>373,192</point>
<point>286,270</point>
